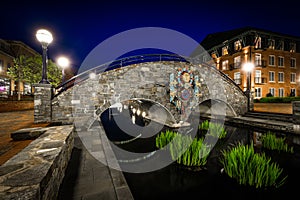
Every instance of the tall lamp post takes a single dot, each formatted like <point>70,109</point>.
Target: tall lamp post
<point>45,38</point>
<point>248,67</point>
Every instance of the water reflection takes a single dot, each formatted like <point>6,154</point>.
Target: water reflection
<point>177,182</point>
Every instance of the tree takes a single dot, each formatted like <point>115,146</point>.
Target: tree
<point>17,71</point>
<point>29,69</point>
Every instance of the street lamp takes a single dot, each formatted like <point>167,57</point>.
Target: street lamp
<point>45,38</point>
<point>64,63</point>
<point>248,67</point>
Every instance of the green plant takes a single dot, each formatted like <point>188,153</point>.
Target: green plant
<point>164,138</point>
<point>215,129</point>
<point>184,149</point>
<point>272,142</point>
<point>188,151</point>
<point>204,125</point>
<point>249,168</point>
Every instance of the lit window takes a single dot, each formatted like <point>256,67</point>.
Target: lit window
<point>237,62</point>
<point>237,45</point>
<point>257,42</point>
<point>225,50</point>
<point>225,65</point>
<point>237,78</point>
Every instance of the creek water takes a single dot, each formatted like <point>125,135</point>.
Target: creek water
<point>177,182</point>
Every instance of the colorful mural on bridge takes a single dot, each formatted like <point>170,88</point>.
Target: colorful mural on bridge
<point>184,90</point>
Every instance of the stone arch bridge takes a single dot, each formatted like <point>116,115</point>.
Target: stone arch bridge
<point>174,83</point>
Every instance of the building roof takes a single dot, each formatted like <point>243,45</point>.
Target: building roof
<point>214,39</point>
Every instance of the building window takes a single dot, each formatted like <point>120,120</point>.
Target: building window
<point>237,45</point>
<point>225,65</point>
<point>257,76</point>
<point>271,76</point>
<point>257,59</point>
<point>293,77</point>
<point>292,47</point>
<point>280,61</point>
<point>272,91</point>
<point>237,62</point>
<point>293,92</point>
<point>281,92</point>
<point>257,42</point>
<point>280,77</point>
<point>225,51</point>
<point>237,78</point>
<point>271,60</point>
<point>271,43</point>
<point>293,62</point>
<point>258,92</point>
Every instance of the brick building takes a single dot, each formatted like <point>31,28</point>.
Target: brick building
<point>276,59</point>
<point>10,49</point>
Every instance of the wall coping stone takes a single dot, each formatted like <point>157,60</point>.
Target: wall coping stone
<point>37,171</point>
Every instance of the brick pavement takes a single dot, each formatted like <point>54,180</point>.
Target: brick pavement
<point>10,122</point>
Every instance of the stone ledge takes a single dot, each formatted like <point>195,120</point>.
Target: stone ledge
<point>27,133</point>
<point>38,170</point>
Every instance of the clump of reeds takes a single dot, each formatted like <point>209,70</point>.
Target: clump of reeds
<point>253,169</point>
<point>272,142</point>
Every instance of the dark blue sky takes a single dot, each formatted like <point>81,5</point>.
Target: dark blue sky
<point>78,27</point>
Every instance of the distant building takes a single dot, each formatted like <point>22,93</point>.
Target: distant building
<point>10,49</point>
<point>276,59</point>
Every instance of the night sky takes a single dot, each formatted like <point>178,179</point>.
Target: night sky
<point>79,26</point>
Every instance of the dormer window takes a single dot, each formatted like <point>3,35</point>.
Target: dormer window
<point>271,43</point>
<point>257,42</point>
<point>225,51</point>
<point>292,47</point>
<point>238,45</point>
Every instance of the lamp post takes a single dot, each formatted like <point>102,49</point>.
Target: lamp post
<point>64,63</point>
<point>45,38</point>
<point>248,67</point>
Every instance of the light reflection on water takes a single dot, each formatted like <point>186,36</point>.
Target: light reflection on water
<point>176,182</point>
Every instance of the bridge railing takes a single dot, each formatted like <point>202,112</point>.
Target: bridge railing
<point>130,61</point>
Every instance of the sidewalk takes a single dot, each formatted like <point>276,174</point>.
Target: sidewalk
<point>10,122</point>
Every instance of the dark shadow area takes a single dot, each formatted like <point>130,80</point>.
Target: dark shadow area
<point>67,186</point>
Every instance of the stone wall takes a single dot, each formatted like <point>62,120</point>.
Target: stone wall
<point>296,116</point>
<point>42,102</point>
<point>148,80</point>
<point>38,170</point>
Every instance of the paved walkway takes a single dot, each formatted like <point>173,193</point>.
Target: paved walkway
<point>10,122</point>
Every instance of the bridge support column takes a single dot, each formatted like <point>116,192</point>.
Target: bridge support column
<point>296,116</point>
<point>42,103</point>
